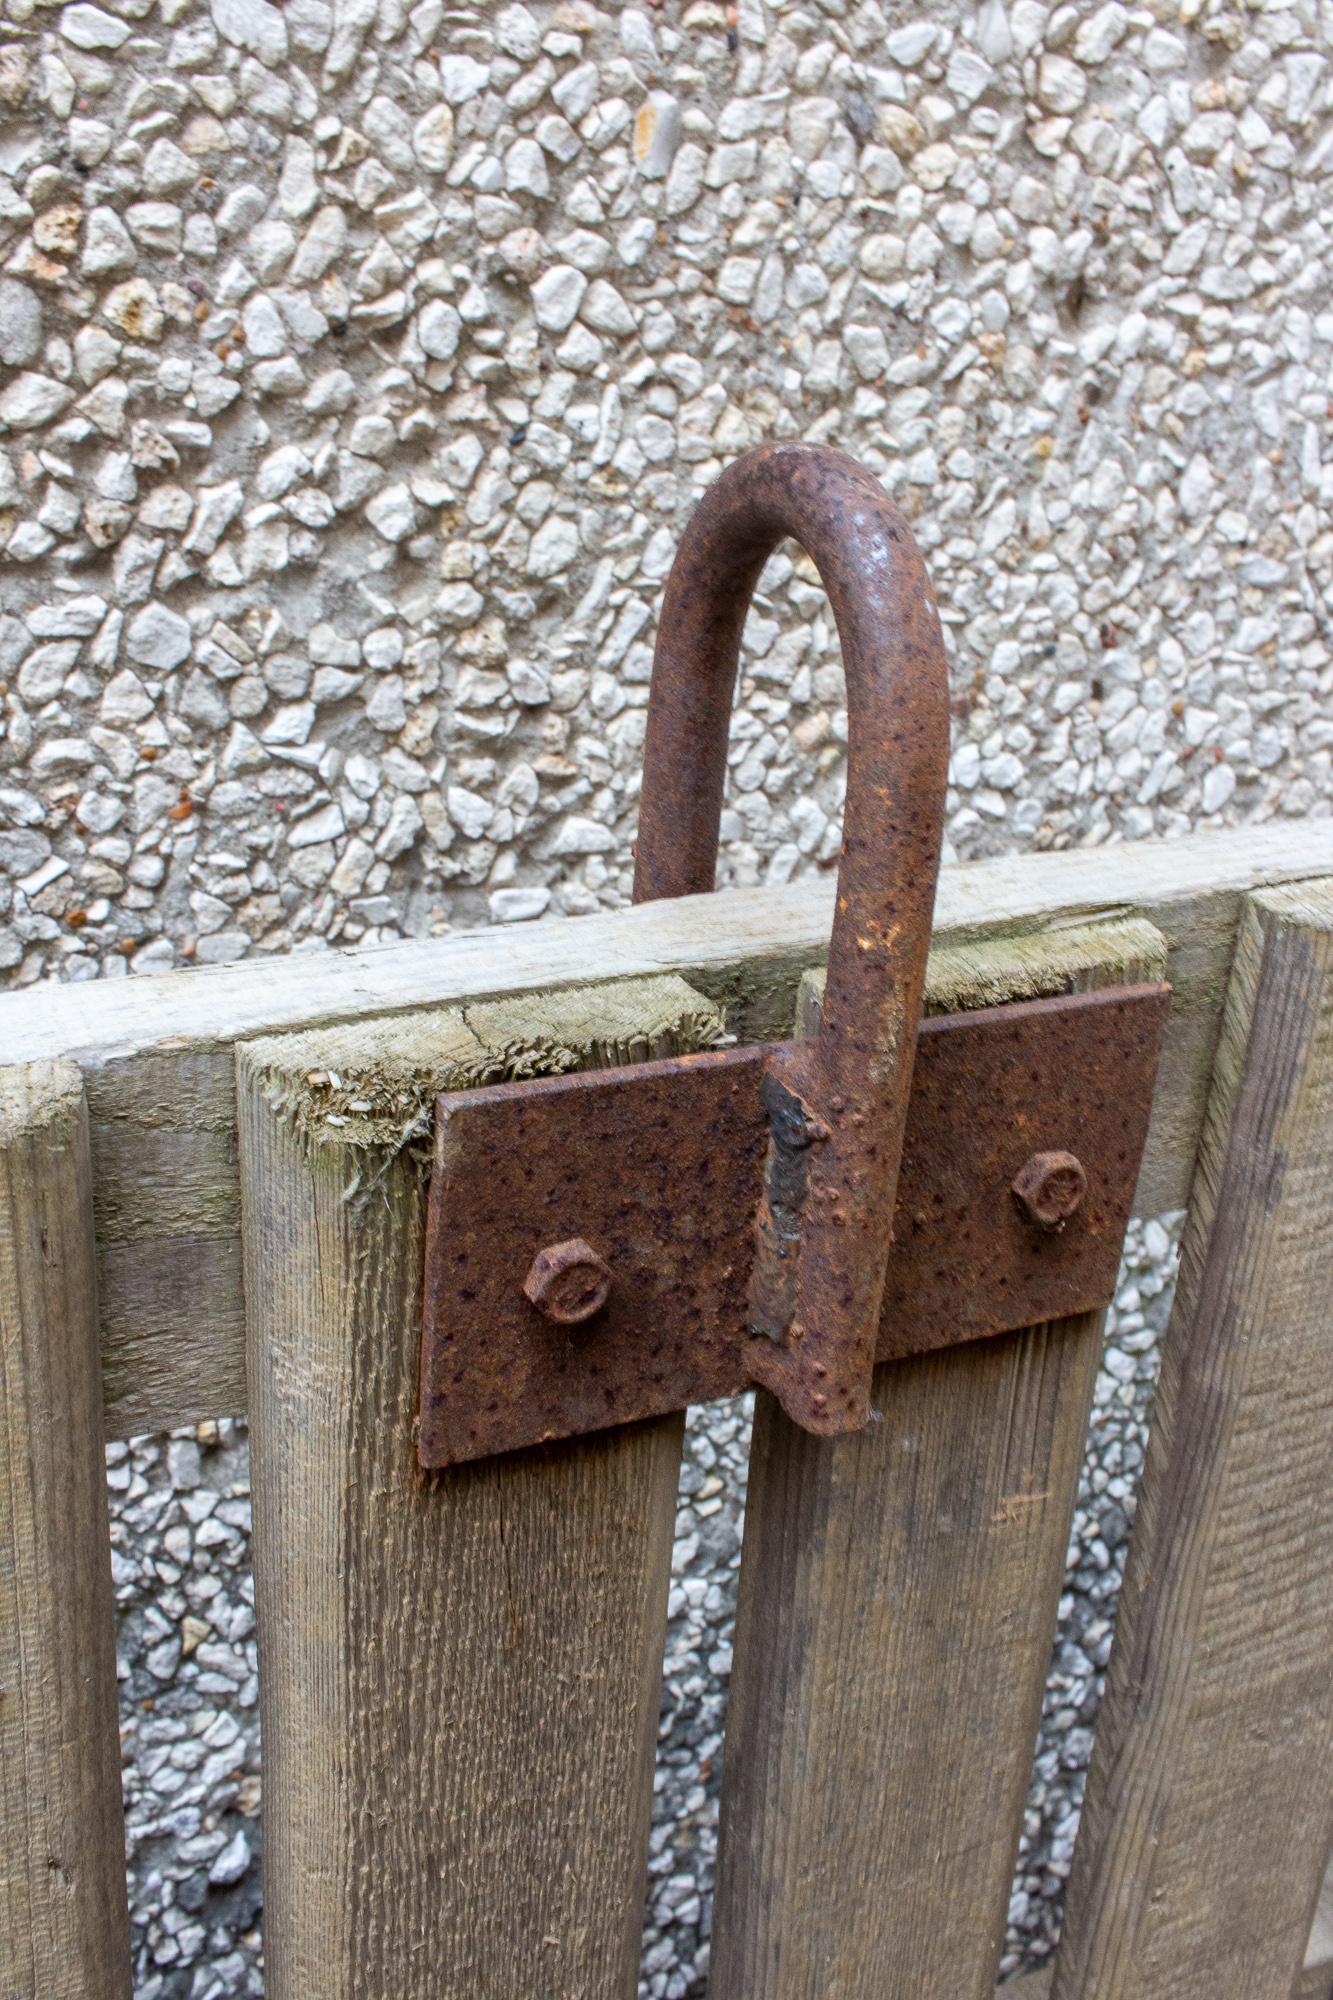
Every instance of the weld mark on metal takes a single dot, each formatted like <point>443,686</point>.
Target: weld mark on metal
<point>793,1128</point>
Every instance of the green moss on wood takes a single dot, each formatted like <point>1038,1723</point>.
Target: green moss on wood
<point>961,978</point>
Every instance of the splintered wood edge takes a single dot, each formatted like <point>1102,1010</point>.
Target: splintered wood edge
<point>43,1096</point>
<point>369,1087</point>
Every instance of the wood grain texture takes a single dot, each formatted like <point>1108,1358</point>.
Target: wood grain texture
<point>1033,1986</point>
<point>1206,1827</point>
<point>897,1605</point>
<point>1313,1982</point>
<point>898,1597</point>
<point>460,1672</point>
<point>64,1925</point>
<point>171,1018</point>
<point>157,1052</point>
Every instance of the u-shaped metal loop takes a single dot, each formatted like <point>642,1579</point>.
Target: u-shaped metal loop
<point>838,1103</point>
<point>710,1220</point>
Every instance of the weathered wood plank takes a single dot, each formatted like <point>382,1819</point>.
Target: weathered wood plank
<point>898,1597</point>
<point>1035,1986</point>
<point>64,1925</point>
<point>460,1672</point>
<point>1313,1982</point>
<point>157,1052</point>
<point>1205,1831</point>
<point>178,1014</point>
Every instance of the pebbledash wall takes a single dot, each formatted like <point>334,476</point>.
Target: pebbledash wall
<point>361,364</point>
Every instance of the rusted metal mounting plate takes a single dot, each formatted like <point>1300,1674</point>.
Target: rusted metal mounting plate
<point>658,1167</point>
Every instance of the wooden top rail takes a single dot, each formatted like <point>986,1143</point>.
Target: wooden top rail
<point>733,935</point>
<point>157,1052</point>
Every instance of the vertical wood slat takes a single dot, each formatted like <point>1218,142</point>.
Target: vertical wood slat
<point>460,1672</point>
<point>898,1600</point>
<point>64,1923</point>
<point>1206,1825</point>
<point>892,1642</point>
<point>1313,1982</point>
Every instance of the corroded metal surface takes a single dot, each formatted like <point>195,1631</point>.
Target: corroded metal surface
<point>1073,1074</point>
<point>656,1167</point>
<point>568,1282</point>
<point>837,1103</point>
<point>1049,1188</point>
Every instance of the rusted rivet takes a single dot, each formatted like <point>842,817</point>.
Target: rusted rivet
<point>1050,1188</point>
<point>568,1282</point>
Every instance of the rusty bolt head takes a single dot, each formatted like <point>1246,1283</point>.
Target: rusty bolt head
<point>568,1282</point>
<point>1050,1188</point>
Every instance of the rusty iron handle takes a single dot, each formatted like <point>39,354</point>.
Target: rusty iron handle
<point>838,1103</point>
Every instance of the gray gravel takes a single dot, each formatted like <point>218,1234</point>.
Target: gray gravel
<point>181,1534</point>
<point>189,1689</point>
<point>1103,1516</point>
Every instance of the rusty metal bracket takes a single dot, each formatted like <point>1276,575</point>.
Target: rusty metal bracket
<point>836,1103</point>
<point>610,1246</point>
<point>636,1188</point>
